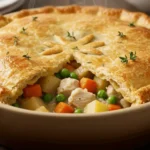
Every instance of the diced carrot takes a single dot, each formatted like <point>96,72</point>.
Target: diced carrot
<point>63,108</point>
<point>89,84</point>
<point>69,67</point>
<point>113,107</point>
<point>32,91</point>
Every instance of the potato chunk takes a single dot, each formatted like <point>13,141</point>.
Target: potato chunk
<point>95,106</point>
<point>32,103</point>
<point>42,109</point>
<point>49,84</point>
<point>101,84</point>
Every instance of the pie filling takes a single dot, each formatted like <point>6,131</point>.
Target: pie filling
<point>73,89</point>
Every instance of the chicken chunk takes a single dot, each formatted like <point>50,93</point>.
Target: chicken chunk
<point>124,103</point>
<point>112,92</point>
<point>81,97</point>
<point>67,86</point>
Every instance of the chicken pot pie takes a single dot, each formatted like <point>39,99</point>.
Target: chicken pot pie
<point>74,59</point>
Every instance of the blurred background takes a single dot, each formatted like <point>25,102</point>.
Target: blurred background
<point>7,6</point>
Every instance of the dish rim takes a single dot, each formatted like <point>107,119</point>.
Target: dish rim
<point>129,110</point>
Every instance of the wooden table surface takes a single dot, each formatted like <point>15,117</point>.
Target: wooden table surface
<point>142,142</point>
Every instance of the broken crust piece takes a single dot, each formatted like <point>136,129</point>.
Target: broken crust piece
<point>18,72</point>
<point>34,47</point>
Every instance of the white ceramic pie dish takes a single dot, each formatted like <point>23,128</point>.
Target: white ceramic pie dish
<point>19,124</point>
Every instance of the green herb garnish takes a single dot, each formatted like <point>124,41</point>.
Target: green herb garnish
<point>16,39</point>
<point>71,35</point>
<point>34,18</point>
<point>132,24</point>
<point>121,34</point>
<point>23,31</point>
<point>124,59</point>
<point>7,53</point>
<point>26,56</point>
<point>75,48</point>
<point>133,56</point>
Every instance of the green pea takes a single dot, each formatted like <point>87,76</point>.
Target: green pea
<point>78,110</point>
<point>47,98</point>
<point>16,105</point>
<point>60,98</point>
<point>65,73</point>
<point>112,100</point>
<point>58,75</point>
<point>73,75</point>
<point>102,94</point>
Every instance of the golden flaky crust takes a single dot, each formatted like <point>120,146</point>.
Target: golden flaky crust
<point>42,34</point>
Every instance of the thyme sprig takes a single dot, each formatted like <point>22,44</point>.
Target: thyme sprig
<point>75,48</point>
<point>121,34</point>
<point>71,35</point>
<point>133,56</point>
<point>26,56</point>
<point>34,18</point>
<point>7,53</point>
<point>132,24</point>
<point>125,58</point>
<point>16,40</point>
<point>24,31</point>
